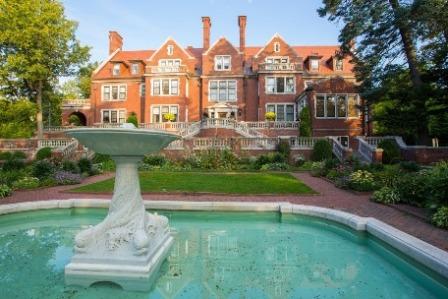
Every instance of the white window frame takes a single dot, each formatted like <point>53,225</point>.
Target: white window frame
<point>110,114</point>
<point>336,64</point>
<point>284,104</point>
<point>160,111</point>
<point>347,112</point>
<point>275,91</point>
<point>317,61</point>
<point>110,92</point>
<point>170,94</point>
<point>174,62</point>
<point>135,69</point>
<point>116,69</point>
<point>170,50</point>
<point>219,60</point>
<point>227,93</point>
<point>339,138</point>
<point>280,59</point>
<point>276,47</point>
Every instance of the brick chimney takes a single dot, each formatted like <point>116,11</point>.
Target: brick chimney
<point>206,25</point>
<point>242,25</point>
<point>115,41</point>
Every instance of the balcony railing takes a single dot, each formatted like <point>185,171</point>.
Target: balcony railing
<point>76,103</point>
<point>168,69</point>
<point>280,67</point>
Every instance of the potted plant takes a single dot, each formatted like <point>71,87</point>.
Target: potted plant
<point>270,116</point>
<point>169,117</point>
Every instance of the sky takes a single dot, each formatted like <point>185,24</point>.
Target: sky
<point>146,24</point>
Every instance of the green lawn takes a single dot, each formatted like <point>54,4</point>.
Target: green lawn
<point>210,182</point>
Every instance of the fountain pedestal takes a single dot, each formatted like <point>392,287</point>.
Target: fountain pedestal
<point>130,244</point>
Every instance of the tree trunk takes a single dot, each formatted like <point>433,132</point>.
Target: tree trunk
<point>40,125</point>
<point>408,45</point>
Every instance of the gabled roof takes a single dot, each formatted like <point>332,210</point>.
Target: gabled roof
<point>272,38</point>
<point>176,43</point>
<point>216,43</point>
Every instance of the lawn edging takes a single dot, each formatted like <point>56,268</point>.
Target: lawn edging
<point>426,254</point>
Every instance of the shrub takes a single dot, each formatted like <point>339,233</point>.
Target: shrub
<point>305,122</point>
<point>85,165</point>
<point>74,120</point>
<point>67,178</point>
<point>362,180</point>
<point>48,182</point>
<point>284,149</point>
<point>43,153</point>
<point>169,117</point>
<point>332,175</point>
<point>270,116</point>
<point>17,118</point>
<point>155,160</point>
<point>9,177</point>
<point>26,183</point>
<point>5,191</point>
<point>70,166</point>
<point>299,160</point>
<point>389,177</point>
<point>391,151</point>
<point>13,164</point>
<point>12,155</point>
<point>409,166</point>
<point>386,195</point>
<point>440,218</point>
<point>438,183</point>
<point>322,150</point>
<point>42,169</point>
<point>414,188</point>
<point>342,182</point>
<point>132,119</point>
<point>275,166</point>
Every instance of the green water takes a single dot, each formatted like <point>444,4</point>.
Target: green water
<point>218,255</point>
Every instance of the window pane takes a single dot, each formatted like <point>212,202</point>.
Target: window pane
<point>314,64</point>
<point>165,86</point>
<point>174,87</point>
<point>156,114</point>
<point>270,85</point>
<point>213,90</point>
<point>156,87</point>
<point>289,112</point>
<point>341,106</point>
<point>106,93</point>
<point>339,64</point>
<point>290,84</point>
<point>113,116</point>
<point>121,118</point>
<point>320,106</point>
<point>352,109</point>
<point>114,92</point>
<point>174,110</point>
<point>331,106</point>
<point>280,85</point>
<point>222,90</point>
<point>226,62</point>
<point>106,118</point>
<point>280,112</point>
<point>122,92</point>
<point>271,108</point>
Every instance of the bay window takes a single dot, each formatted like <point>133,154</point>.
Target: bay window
<point>114,92</point>
<point>165,87</point>
<point>280,85</point>
<point>283,112</point>
<point>336,105</point>
<point>222,90</point>
<point>113,116</point>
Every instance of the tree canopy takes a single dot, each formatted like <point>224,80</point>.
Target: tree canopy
<point>37,46</point>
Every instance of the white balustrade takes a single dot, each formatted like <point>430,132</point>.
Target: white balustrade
<point>365,150</point>
<point>211,143</point>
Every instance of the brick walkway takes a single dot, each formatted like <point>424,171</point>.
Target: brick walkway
<point>329,197</point>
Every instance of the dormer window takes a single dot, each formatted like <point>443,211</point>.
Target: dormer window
<point>276,47</point>
<point>314,64</point>
<point>116,69</point>
<point>135,69</point>
<point>339,64</point>
<point>222,63</point>
<point>170,50</point>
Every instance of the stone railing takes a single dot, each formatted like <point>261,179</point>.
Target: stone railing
<point>107,125</point>
<point>176,145</point>
<point>294,125</point>
<point>68,150</point>
<point>225,123</point>
<point>366,151</point>
<point>211,143</point>
<point>280,67</point>
<point>53,143</point>
<point>168,69</point>
<point>303,142</point>
<point>259,143</point>
<point>340,151</point>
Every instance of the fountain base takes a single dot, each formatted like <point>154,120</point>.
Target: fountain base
<point>132,273</point>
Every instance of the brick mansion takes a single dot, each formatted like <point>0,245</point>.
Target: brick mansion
<point>220,81</point>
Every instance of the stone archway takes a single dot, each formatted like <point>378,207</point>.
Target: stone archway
<point>81,116</point>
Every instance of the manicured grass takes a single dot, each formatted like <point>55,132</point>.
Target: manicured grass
<point>210,182</point>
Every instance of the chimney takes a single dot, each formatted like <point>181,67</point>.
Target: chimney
<point>206,25</point>
<point>242,25</point>
<point>115,41</point>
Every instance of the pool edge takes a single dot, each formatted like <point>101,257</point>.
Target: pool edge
<point>430,256</point>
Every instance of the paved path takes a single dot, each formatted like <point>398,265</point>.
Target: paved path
<point>330,197</point>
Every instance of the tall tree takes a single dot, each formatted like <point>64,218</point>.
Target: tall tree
<point>37,45</point>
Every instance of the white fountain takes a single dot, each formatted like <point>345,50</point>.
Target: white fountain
<point>129,245</point>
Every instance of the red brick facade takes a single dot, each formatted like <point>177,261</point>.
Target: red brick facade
<point>219,80</point>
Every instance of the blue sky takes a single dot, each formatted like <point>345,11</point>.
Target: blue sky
<point>145,24</point>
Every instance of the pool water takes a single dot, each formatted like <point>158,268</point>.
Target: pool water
<point>219,255</point>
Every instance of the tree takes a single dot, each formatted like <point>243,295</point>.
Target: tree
<point>79,86</point>
<point>37,45</point>
<point>17,119</point>
<point>305,122</point>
